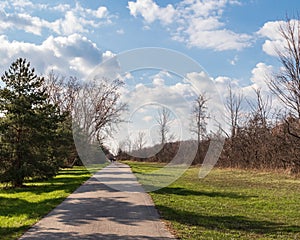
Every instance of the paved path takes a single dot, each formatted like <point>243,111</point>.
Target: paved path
<point>96,211</point>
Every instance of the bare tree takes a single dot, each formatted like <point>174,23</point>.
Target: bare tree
<point>122,145</point>
<point>164,120</point>
<point>199,117</point>
<point>140,141</point>
<point>286,84</point>
<point>126,145</point>
<point>233,107</point>
<point>98,109</point>
<point>62,91</point>
<point>260,109</point>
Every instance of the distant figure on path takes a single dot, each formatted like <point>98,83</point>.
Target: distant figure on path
<point>111,157</point>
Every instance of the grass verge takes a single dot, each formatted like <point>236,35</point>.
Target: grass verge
<point>23,207</point>
<point>229,204</point>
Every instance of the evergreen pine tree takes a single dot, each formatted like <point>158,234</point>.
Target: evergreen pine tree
<point>28,127</point>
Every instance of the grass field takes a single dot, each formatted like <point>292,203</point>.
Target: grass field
<point>229,204</point>
<point>22,207</point>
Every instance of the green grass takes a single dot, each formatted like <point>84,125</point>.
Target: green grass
<point>22,207</point>
<point>229,204</point>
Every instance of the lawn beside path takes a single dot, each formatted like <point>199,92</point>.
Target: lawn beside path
<point>229,204</point>
<point>20,208</point>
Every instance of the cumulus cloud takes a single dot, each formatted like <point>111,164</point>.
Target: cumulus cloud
<point>15,15</point>
<point>72,55</point>
<point>158,81</point>
<point>196,23</point>
<point>260,75</point>
<point>177,94</point>
<point>151,96</point>
<point>259,81</point>
<point>274,40</point>
<point>234,60</point>
<point>23,21</point>
<point>120,31</point>
<point>150,11</point>
<point>148,118</point>
<point>270,30</point>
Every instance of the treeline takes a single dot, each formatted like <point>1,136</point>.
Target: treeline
<point>182,151</point>
<point>254,146</point>
<point>263,147</point>
<point>257,139</point>
<point>41,115</point>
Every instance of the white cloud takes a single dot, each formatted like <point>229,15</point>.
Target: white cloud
<point>158,82</point>
<point>61,7</point>
<point>72,55</point>
<point>194,22</point>
<point>107,55</point>
<point>177,95</point>
<point>16,15</point>
<point>79,20</point>
<point>270,30</point>
<point>275,41</point>
<point>218,40</point>
<point>22,21</point>
<point>222,83</point>
<point>260,75</point>
<point>120,31</point>
<point>234,60</point>
<point>21,3</point>
<point>150,11</point>
<point>101,12</point>
<point>148,118</point>
<point>259,78</point>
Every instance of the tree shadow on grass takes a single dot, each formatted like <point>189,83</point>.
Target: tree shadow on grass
<point>15,207</point>
<point>18,207</point>
<point>216,222</point>
<point>188,192</point>
<point>11,232</point>
<point>67,187</point>
<point>46,186</point>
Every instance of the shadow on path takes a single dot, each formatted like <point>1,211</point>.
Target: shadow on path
<point>98,236</point>
<point>96,211</point>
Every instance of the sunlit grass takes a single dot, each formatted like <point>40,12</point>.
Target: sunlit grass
<point>22,207</point>
<point>229,204</point>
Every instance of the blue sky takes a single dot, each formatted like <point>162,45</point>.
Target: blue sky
<point>123,25</point>
<point>233,40</point>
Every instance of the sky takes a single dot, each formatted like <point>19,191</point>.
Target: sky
<point>232,40</point>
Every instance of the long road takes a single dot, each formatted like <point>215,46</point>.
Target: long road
<point>110,205</point>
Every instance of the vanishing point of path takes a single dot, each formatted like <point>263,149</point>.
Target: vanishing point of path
<point>96,211</point>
